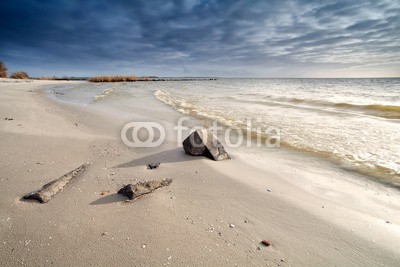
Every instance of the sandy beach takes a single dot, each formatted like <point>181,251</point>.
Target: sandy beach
<point>215,213</point>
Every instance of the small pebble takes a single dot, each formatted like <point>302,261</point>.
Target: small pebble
<point>232,225</point>
<point>153,166</point>
<point>266,243</point>
<point>259,248</point>
<point>269,190</point>
<point>143,246</point>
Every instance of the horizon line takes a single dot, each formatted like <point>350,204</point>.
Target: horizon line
<point>217,77</point>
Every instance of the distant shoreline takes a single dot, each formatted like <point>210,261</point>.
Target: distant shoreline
<point>100,79</point>
<point>124,79</point>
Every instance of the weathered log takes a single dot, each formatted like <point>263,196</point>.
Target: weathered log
<point>133,191</point>
<point>46,193</point>
<point>204,143</point>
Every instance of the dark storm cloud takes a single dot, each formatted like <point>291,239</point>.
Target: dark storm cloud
<point>194,37</point>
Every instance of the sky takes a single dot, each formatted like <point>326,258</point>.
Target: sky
<point>250,38</point>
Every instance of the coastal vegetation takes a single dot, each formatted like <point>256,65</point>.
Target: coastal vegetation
<point>19,75</point>
<point>3,70</point>
<point>119,78</point>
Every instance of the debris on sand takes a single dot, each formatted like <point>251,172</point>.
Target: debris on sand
<point>204,143</point>
<point>153,166</point>
<point>8,119</point>
<point>103,193</point>
<point>46,193</point>
<point>265,243</point>
<point>133,191</point>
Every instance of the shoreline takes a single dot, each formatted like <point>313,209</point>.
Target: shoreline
<point>181,224</point>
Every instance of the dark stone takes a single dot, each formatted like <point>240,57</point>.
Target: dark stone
<point>204,143</point>
<point>153,166</point>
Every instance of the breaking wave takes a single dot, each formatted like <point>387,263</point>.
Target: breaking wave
<point>377,110</point>
<point>103,94</point>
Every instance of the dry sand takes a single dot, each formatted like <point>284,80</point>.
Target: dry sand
<point>311,216</point>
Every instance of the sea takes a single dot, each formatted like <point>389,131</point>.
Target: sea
<point>349,122</point>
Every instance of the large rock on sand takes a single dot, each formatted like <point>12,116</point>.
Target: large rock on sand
<point>204,143</point>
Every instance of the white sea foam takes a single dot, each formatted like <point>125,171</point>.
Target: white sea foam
<point>103,94</point>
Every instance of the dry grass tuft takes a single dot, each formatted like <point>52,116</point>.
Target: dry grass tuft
<point>110,79</point>
<point>19,75</point>
<point>47,78</point>
<point>3,70</point>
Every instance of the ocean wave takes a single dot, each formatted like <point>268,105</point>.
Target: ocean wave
<point>389,112</point>
<point>103,94</point>
<point>388,172</point>
<point>377,110</point>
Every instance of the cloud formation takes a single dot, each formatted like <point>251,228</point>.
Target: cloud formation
<point>202,37</point>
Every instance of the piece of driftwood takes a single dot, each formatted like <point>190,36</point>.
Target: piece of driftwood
<point>133,191</point>
<point>46,193</point>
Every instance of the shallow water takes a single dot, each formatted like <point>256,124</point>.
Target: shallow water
<point>353,122</point>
